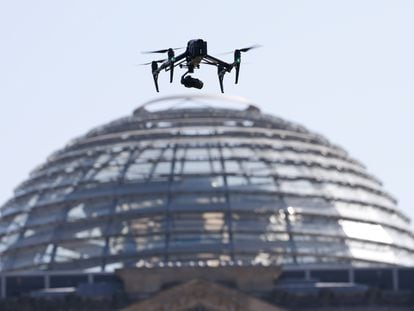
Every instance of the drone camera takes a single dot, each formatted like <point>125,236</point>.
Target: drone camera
<point>190,82</point>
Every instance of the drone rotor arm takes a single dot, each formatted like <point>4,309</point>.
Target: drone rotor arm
<point>208,63</point>
<point>180,59</point>
<point>174,65</point>
<point>222,68</point>
<point>179,63</point>
<point>217,61</point>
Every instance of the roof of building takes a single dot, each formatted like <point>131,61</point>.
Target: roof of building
<point>188,181</point>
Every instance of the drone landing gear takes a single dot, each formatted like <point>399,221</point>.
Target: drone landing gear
<point>220,72</point>
<point>189,81</point>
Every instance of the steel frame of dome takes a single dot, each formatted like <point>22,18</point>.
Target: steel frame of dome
<point>201,185</point>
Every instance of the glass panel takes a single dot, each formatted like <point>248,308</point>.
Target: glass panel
<point>7,241</point>
<point>14,223</point>
<point>242,222</point>
<point>288,170</point>
<point>162,168</point>
<point>252,183</point>
<point>189,240</point>
<point>255,168</point>
<point>54,195</point>
<point>180,153</point>
<point>237,181</point>
<point>202,183</point>
<point>150,154</point>
<point>310,204</point>
<point>65,179</point>
<point>376,252</point>
<point>130,245</point>
<point>232,166</point>
<point>197,200</point>
<point>256,202</point>
<point>205,222</point>
<point>83,249</point>
<point>138,171</point>
<point>167,155</point>
<point>320,245</point>
<point>313,224</point>
<point>243,152</point>
<point>33,256</point>
<point>216,166</point>
<point>263,183</point>
<point>140,203</point>
<point>139,226</point>
<point>108,173</point>
<point>37,235</point>
<point>365,231</point>
<point>197,167</point>
<point>196,154</point>
<point>20,205</point>
<point>89,209</point>
<point>120,159</point>
<point>214,153</point>
<point>300,186</point>
<point>83,231</point>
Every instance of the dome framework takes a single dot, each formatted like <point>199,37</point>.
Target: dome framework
<point>196,184</point>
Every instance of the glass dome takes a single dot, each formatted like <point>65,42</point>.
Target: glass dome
<point>184,181</point>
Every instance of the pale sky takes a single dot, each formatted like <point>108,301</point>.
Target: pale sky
<point>344,69</point>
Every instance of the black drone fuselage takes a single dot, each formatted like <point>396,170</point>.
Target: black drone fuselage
<point>196,51</point>
<point>194,55</point>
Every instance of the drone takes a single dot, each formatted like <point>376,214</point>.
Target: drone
<point>195,54</point>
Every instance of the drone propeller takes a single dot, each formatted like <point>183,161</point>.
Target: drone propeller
<point>160,51</point>
<point>255,46</point>
<point>149,63</point>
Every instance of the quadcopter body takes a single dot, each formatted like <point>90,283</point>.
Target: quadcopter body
<point>194,55</point>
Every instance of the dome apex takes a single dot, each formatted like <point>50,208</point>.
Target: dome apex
<point>194,101</point>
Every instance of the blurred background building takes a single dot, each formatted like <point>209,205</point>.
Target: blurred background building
<point>189,185</point>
